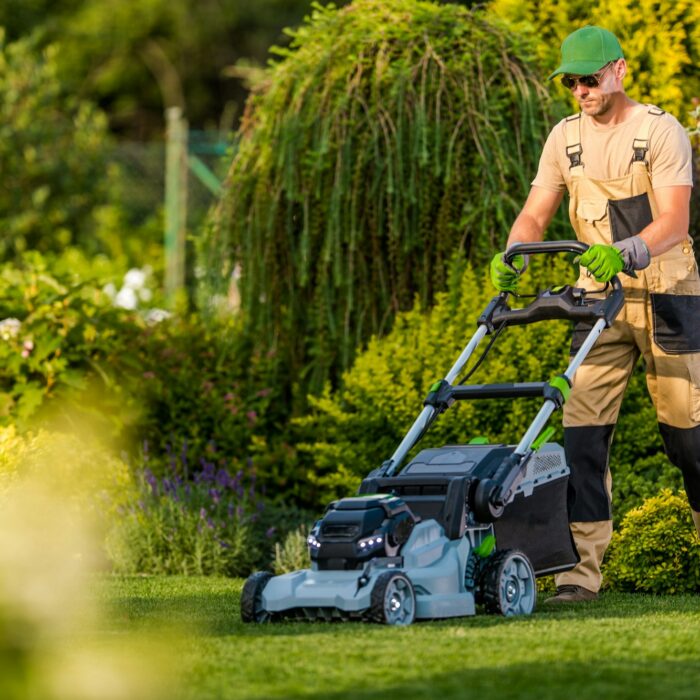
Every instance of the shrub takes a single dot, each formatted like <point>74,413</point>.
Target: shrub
<point>52,155</point>
<point>204,521</point>
<point>655,548</point>
<point>203,387</point>
<point>390,135</point>
<point>293,553</point>
<point>187,527</point>
<point>63,348</point>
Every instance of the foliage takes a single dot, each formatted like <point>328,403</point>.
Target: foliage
<point>293,553</point>
<point>183,526</point>
<point>52,156</point>
<point>122,53</point>
<point>389,136</point>
<point>204,389</point>
<point>661,41</point>
<point>655,548</point>
<point>198,519</point>
<point>78,468</point>
<point>63,347</point>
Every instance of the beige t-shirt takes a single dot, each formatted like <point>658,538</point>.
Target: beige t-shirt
<point>607,152</point>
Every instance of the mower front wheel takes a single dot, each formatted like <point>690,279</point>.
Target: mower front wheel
<point>393,600</point>
<point>507,584</point>
<point>252,609</point>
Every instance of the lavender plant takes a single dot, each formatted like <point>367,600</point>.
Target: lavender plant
<point>200,521</point>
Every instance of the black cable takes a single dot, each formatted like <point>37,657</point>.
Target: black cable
<point>483,354</point>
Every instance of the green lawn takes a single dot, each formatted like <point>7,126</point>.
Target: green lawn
<point>622,646</point>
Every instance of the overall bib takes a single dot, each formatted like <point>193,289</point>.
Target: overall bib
<point>660,321</point>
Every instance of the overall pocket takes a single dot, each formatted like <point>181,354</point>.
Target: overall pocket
<point>676,319</point>
<point>629,216</point>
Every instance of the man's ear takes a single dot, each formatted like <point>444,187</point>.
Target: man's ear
<point>620,69</point>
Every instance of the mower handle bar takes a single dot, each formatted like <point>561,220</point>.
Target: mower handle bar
<point>539,247</point>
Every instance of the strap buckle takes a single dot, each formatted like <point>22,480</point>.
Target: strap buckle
<point>640,148</point>
<point>573,153</point>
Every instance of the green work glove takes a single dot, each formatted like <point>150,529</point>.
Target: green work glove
<point>505,277</point>
<point>603,261</point>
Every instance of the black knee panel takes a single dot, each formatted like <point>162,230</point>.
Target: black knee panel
<point>587,452</point>
<point>683,449</point>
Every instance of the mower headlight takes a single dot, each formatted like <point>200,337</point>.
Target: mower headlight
<point>313,542</point>
<point>367,543</point>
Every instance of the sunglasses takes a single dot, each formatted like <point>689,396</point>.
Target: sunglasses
<point>589,81</point>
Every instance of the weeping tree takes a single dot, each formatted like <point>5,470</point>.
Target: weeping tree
<point>389,136</point>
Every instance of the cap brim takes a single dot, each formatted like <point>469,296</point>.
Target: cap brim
<point>578,68</point>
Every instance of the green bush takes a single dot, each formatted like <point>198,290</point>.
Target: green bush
<point>655,548</point>
<point>199,520</point>
<point>388,137</point>
<point>186,526</point>
<point>52,155</point>
<point>203,388</point>
<point>65,350</point>
<point>293,553</point>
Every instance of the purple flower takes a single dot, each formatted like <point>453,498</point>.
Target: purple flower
<point>223,478</point>
<point>214,495</point>
<point>202,513</point>
<point>270,532</point>
<point>151,481</point>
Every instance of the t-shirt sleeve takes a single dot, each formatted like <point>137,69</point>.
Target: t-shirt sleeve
<point>549,175</point>
<point>671,156</point>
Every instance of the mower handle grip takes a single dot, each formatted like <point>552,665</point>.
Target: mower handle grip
<point>537,247</point>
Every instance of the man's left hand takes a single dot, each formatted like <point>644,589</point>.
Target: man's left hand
<point>602,261</point>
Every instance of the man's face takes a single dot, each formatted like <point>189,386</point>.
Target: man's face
<point>596,101</point>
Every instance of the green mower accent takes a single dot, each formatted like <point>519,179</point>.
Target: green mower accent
<point>484,550</point>
<point>560,382</point>
<point>542,438</point>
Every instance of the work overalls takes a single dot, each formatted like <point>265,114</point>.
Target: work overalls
<point>660,320</point>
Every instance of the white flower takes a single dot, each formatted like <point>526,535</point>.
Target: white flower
<point>135,278</point>
<point>9,328</point>
<point>110,290</point>
<point>157,315</point>
<point>126,298</point>
<point>145,294</point>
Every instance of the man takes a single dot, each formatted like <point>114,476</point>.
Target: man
<point>627,169</point>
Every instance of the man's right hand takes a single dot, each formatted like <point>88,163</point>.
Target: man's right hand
<point>504,277</point>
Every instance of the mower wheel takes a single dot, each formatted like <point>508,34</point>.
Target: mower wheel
<point>507,584</point>
<point>393,600</point>
<point>251,598</point>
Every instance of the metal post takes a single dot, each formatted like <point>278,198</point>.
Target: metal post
<point>175,202</point>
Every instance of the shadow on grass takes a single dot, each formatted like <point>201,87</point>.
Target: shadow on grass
<point>598,679</point>
<point>217,614</point>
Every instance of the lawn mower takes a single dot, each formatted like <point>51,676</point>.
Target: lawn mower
<point>459,525</point>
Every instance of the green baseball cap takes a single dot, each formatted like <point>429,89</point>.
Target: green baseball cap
<point>587,50</point>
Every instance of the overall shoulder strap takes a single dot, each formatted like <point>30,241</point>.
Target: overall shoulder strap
<point>573,140</point>
<point>640,145</point>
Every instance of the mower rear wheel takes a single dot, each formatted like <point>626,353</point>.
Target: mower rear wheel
<point>393,600</point>
<point>508,584</point>
<point>252,609</point>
